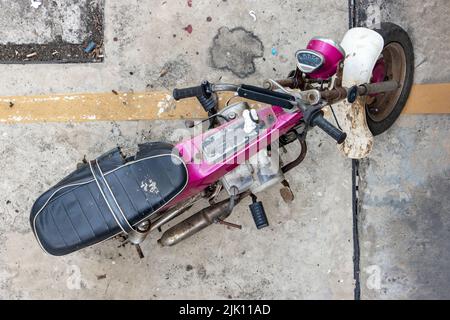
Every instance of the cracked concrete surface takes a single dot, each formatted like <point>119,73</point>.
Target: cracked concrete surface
<point>141,37</point>
<point>297,257</point>
<point>23,24</point>
<point>405,222</point>
<point>306,253</point>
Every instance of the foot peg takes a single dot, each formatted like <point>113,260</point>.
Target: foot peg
<point>258,213</point>
<point>286,192</point>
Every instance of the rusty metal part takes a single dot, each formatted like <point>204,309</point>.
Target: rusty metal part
<point>139,251</point>
<point>213,197</point>
<point>286,192</point>
<point>335,95</point>
<point>198,222</point>
<point>174,212</point>
<point>229,224</point>
<point>388,91</point>
<point>311,97</point>
<point>395,60</point>
<point>380,87</point>
<point>339,74</point>
<point>140,233</point>
<point>294,81</point>
<point>289,83</point>
<point>299,159</point>
<point>340,93</point>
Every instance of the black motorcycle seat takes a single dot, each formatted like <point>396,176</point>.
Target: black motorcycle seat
<point>74,214</point>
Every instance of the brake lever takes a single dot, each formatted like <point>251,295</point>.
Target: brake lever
<point>224,87</point>
<point>311,97</point>
<point>286,101</point>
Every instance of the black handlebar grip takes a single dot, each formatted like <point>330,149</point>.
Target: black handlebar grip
<point>329,129</point>
<point>179,94</point>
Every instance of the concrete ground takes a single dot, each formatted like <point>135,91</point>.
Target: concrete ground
<point>143,38</point>
<point>51,31</point>
<point>307,251</point>
<point>405,222</point>
<point>23,24</point>
<point>405,207</point>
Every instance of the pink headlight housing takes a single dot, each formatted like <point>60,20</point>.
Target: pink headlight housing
<point>332,53</point>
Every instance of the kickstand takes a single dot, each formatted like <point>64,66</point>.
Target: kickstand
<point>138,247</point>
<point>139,251</point>
<point>229,224</point>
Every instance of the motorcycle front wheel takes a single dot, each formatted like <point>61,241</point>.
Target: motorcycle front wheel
<point>396,63</point>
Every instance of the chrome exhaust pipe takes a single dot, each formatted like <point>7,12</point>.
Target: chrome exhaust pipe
<point>198,222</point>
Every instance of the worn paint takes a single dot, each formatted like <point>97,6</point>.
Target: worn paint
<point>424,99</point>
<point>352,119</point>
<point>102,107</point>
<point>149,186</point>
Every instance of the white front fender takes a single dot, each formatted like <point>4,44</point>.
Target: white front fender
<point>363,48</point>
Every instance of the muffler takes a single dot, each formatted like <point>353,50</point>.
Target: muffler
<point>199,221</point>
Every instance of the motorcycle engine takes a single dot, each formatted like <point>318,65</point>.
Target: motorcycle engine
<point>260,172</point>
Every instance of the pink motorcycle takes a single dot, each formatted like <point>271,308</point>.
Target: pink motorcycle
<point>129,197</point>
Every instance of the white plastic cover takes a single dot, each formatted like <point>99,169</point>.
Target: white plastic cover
<point>363,48</point>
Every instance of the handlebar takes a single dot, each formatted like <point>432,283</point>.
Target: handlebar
<point>331,130</point>
<point>288,101</point>
<point>205,90</point>
<point>191,92</point>
<point>315,116</point>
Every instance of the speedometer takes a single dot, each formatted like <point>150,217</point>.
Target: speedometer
<point>308,60</point>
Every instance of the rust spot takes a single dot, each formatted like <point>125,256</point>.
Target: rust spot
<point>287,195</point>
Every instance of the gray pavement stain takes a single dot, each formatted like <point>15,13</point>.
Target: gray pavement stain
<point>235,50</point>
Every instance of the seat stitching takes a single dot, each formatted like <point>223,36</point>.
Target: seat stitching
<point>84,215</point>
<point>59,231</point>
<point>71,222</point>
<point>96,205</point>
<point>126,192</point>
<point>80,184</point>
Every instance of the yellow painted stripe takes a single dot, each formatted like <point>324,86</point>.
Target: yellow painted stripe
<point>429,99</point>
<point>96,107</point>
<point>425,99</point>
